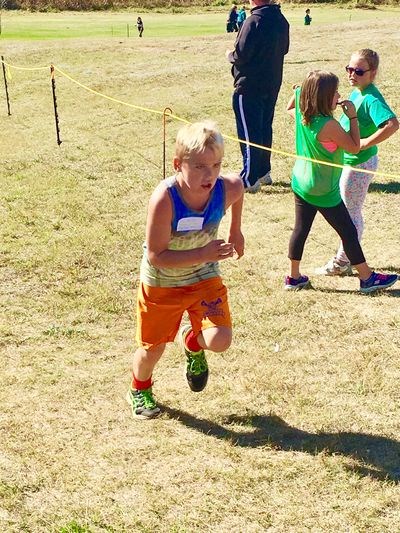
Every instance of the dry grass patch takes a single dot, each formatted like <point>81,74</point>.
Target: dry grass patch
<point>298,427</point>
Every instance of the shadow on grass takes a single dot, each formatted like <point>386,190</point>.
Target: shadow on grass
<point>324,60</point>
<point>278,187</point>
<point>393,187</point>
<point>379,457</point>
<point>393,293</point>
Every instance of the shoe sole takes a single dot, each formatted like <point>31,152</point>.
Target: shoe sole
<point>297,287</point>
<point>376,288</point>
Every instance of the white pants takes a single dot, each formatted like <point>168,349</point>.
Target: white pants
<point>353,189</point>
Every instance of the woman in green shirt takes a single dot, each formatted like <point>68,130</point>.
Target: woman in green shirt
<point>320,143</point>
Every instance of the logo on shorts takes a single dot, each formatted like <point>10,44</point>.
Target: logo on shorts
<point>212,308</point>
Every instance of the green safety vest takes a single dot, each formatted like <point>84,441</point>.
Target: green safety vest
<point>317,184</point>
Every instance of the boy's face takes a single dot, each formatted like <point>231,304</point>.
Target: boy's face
<point>200,171</point>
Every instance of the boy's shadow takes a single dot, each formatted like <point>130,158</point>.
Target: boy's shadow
<point>377,456</point>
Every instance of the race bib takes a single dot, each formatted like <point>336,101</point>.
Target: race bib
<point>190,224</point>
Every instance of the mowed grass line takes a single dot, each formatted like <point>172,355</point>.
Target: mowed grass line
<point>298,427</point>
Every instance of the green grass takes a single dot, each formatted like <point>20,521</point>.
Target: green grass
<point>37,26</point>
<point>297,429</point>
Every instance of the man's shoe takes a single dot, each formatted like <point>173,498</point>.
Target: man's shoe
<point>142,403</point>
<point>253,188</point>
<point>266,179</point>
<point>334,268</point>
<point>196,363</point>
<point>377,282</point>
<point>292,284</point>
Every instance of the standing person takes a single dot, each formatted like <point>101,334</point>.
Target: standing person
<point>179,270</point>
<point>231,22</point>
<point>140,26</point>
<point>316,187</point>
<point>307,18</point>
<point>377,123</point>
<point>257,66</point>
<point>241,16</point>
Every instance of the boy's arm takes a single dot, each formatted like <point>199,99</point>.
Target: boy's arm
<point>234,192</point>
<point>158,236</point>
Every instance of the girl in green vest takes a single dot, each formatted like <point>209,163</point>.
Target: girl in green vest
<point>320,143</point>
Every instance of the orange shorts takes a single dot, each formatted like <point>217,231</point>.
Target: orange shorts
<point>160,310</point>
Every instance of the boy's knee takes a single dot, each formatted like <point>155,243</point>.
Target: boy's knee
<point>218,339</point>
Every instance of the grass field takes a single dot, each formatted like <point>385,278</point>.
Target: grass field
<point>298,428</point>
<point>19,25</point>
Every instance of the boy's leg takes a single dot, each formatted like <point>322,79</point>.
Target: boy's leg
<point>210,329</point>
<point>144,361</point>
<point>140,395</point>
<point>159,313</point>
<point>217,339</point>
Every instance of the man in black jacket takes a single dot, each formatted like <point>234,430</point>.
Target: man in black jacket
<point>257,66</point>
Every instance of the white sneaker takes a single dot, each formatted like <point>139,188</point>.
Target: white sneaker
<point>333,268</point>
<point>254,188</point>
<point>266,179</point>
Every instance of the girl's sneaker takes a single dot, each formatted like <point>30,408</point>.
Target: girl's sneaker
<point>292,284</point>
<point>377,282</point>
<point>334,268</point>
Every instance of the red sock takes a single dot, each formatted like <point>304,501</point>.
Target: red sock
<point>140,385</point>
<point>191,342</point>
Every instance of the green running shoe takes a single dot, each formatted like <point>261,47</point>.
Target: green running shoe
<point>196,363</point>
<point>142,403</point>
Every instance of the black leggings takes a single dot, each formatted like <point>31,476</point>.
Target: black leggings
<point>338,217</point>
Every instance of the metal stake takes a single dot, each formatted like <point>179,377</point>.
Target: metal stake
<point>167,111</point>
<point>6,86</point>
<point>53,88</point>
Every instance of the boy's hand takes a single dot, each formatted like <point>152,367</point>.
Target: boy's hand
<point>217,250</point>
<point>238,243</point>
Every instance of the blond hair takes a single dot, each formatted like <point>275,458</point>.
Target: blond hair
<point>370,57</point>
<point>196,137</point>
<point>317,92</point>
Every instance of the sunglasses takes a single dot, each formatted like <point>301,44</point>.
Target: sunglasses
<point>357,71</point>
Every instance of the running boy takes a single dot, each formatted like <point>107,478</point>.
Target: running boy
<point>179,270</point>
